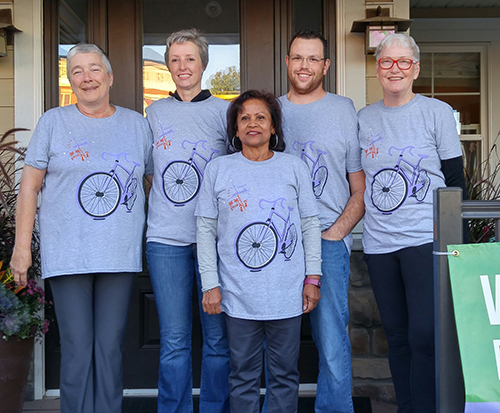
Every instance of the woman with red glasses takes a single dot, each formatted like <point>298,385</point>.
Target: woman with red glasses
<point>410,146</point>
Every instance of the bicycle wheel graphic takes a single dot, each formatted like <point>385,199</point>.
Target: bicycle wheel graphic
<point>181,182</point>
<point>389,190</point>
<point>99,194</point>
<point>424,179</point>
<point>256,245</point>
<point>319,180</point>
<point>131,192</point>
<point>290,241</point>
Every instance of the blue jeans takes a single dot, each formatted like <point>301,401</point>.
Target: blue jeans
<point>172,270</point>
<point>329,329</point>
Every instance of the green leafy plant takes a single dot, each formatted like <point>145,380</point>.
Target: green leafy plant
<point>483,183</point>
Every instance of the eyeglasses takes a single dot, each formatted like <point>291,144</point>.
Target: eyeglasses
<point>386,63</point>
<point>312,60</point>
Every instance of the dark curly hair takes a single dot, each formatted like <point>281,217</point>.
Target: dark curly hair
<point>274,108</point>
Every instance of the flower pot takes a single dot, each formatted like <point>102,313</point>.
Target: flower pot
<point>15,361</point>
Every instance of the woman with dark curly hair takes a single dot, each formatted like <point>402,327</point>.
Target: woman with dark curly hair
<point>259,252</point>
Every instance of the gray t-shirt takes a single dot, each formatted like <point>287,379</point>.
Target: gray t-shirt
<point>187,135</point>
<point>92,201</point>
<point>402,148</point>
<point>324,135</point>
<point>258,206</point>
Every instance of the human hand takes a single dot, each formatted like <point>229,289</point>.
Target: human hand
<point>211,301</point>
<point>19,265</point>
<point>310,297</point>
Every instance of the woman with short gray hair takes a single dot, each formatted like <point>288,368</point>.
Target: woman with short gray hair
<point>88,161</point>
<point>410,147</point>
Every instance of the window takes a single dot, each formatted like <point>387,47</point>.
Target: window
<point>72,28</point>
<point>217,21</point>
<point>457,75</point>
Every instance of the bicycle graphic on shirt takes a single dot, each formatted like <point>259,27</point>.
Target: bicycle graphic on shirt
<point>391,186</point>
<point>319,173</point>
<point>257,243</point>
<point>182,179</point>
<point>100,193</point>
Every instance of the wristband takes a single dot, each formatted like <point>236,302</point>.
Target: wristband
<point>312,281</point>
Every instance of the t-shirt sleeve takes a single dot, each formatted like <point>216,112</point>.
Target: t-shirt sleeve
<point>306,199</point>
<point>353,161</point>
<point>38,151</point>
<point>148,156</point>
<point>207,200</point>
<point>447,140</point>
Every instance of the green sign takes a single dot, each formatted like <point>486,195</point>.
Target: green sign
<point>475,285</point>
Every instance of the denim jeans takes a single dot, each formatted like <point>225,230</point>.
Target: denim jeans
<point>172,270</point>
<point>329,329</point>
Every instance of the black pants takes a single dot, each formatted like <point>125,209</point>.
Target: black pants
<point>404,289</point>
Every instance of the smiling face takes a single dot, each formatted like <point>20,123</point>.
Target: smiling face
<point>89,80</point>
<point>254,125</point>
<point>306,77</point>
<point>397,83</point>
<point>186,68</point>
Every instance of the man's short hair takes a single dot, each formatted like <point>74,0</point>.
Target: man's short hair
<point>309,35</point>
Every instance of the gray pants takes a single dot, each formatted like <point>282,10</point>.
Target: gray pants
<point>246,344</point>
<point>91,312</point>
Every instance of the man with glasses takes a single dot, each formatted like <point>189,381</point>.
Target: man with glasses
<point>321,128</point>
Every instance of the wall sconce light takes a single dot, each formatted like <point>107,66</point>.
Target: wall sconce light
<point>377,26</point>
<point>7,31</point>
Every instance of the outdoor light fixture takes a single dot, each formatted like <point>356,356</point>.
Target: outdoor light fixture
<point>377,25</point>
<point>7,31</point>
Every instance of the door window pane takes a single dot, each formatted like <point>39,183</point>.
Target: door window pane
<point>72,30</point>
<point>307,15</point>
<point>456,79</point>
<point>218,21</point>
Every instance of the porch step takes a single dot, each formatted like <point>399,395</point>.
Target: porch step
<point>148,405</point>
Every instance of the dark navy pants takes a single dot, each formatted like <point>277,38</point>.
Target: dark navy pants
<point>246,346</point>
<point>404,289</point>
<point>91,312</point>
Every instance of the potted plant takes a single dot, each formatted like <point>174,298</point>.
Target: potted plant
<point>21,308</point>
<point>483,183</point>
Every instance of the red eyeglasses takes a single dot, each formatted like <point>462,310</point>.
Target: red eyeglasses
<point>386,63</point>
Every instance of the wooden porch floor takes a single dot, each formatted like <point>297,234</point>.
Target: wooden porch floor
<point>148,405</point>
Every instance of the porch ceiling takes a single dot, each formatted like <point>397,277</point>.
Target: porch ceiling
<point>425,9</point>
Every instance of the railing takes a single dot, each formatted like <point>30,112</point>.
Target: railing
<point>449,211</point>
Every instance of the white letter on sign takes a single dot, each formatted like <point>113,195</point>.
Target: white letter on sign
<point>493,309</point>
<point>496,344</point>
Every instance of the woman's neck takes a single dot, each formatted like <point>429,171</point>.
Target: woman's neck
<point>257,154</point>
<point>187,95</point>
<point>398,100</point>
<point>101,111</point>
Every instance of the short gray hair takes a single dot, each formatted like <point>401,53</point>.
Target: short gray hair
<point>193,36</point>
<point>87,48</point>
<point>398,39</point>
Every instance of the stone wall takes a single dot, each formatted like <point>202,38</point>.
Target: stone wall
<point>370,366</point>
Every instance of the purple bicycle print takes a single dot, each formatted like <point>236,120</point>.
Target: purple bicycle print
<point>182,179</point>
<point>391,186</point>
<point>258,242</point>
<point>319,173</point>
<point>100,193</point>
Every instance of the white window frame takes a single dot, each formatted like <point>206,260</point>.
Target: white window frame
<point>485,70</point>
